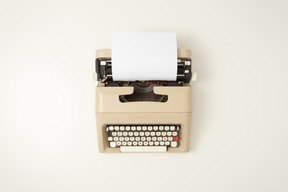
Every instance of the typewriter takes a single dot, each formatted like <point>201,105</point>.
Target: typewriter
<point>143,116</point>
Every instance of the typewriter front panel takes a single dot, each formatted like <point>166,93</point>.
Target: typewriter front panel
<point>179,100</point>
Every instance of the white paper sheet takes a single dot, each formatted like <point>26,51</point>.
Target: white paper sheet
<point>144,56</point>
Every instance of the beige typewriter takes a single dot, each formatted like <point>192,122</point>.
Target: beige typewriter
<point>143,116</point>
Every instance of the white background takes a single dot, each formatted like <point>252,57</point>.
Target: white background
<point>47,123</point>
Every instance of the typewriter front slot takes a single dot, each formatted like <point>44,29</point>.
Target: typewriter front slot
<point>179,99</point>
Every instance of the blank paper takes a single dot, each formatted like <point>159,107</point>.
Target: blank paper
<point>144,56</point>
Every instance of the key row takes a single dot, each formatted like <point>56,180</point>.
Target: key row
<point>142,133</point>
<point>142,128</point>
<point>145,143</point>
<point>143,138</point>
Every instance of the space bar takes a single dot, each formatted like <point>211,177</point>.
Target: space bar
<point>138,149</point>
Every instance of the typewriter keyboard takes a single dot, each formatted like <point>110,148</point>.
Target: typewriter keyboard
<point>143,138</point>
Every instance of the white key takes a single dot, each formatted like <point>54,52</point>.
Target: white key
<point>147,133</point>
<point>132,138</point>
<point>169,133</point>
<point>144,128</point>
<point>143,138</point>
<point>167,143</point>
<point>114,134</point>
<point>152,133</point>
<point>149,128</point>
<point>174,133</point>
<point>163,133</point>
<point>124,143</point>
<point>156,143</point>
<point>111,128</point>
<point>148,138</point>
<point>115,138</point>
<point>155,128</point>
<point>126,138</point>
<point>129,143</point>
<point>151,143</point>
<point>174,144</point>
<point>140,143</point>
<point>125,133</point>
<point>172,128</point>
<point>127,128</point>
<point>134,143</point>
<point>148,149</point>
<point>145,143</point>
<point>118,143</point>
<point>136,134</point>
<point>119,133</point>
<point>161,128</point>
<point>137,139</point>
<point>158,133</point>
<point>130,134</point>
<point>166,128</point>
<point>107,129</point>
<point>138,128</point>
<point>116,128</point>
<point>159,138</point>
<point>141,134</point>
<point>165,138</point>
<point>178,128</point>
<point>133,128</point>
<point>121,138</point>
<point>162,143</point>
<point>170,138</point>
<point>110,138</point>
<point>122,128</point>
<point>154,138</point>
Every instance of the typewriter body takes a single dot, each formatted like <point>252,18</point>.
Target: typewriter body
<point>143,116</point>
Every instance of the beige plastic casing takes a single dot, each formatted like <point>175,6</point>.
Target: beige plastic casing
<point>177,109</point>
